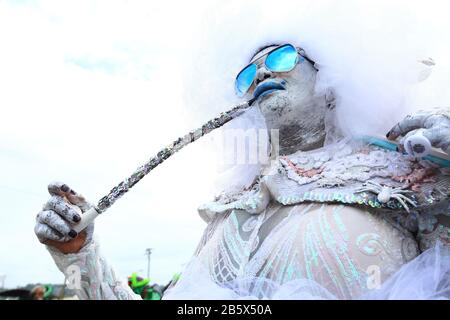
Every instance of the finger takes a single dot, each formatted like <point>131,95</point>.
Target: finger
<point>56,188</point>
<point>54,221</point>
<point>409,123</point>
<point>64,209</point>
<point>44,233</point>
<point>401,142</point>
<point>439,137</point>
<point>72,246</point>
<point>63,190</point>
<point>412,122</point>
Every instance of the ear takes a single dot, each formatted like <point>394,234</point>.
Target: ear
<point>330,98</point>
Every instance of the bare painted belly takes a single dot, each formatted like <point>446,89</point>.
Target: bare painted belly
<point>345,249</point>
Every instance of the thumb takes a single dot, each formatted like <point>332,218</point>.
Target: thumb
<point>63,190</point>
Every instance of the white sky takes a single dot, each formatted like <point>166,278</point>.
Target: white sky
<point>89,90</point>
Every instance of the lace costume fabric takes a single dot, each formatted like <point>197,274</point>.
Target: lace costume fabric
<point>332,245</point>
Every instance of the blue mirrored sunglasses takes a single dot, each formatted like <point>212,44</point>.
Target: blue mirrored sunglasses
<point>280,59</point>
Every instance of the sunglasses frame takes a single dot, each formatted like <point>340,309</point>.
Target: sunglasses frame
<point>258,62</point>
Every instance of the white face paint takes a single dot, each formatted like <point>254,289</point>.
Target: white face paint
<point>296,112</point>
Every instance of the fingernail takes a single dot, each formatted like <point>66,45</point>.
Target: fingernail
<point>76,217</point>
<point>73,233</point>
<point>65,188</point>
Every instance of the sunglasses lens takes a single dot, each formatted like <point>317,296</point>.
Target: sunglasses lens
<point>282,59</point>
<point>245,79</point>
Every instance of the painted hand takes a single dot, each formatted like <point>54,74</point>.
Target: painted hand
<point>54,223</point>
<point>434,125</point>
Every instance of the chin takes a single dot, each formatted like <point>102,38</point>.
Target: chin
<point>276,107</point>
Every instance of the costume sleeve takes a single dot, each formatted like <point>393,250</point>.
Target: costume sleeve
<point>90,275</point>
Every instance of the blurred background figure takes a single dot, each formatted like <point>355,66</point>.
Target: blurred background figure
<point>142,287</point>
<point>38,293</point>
<point>147,291</point>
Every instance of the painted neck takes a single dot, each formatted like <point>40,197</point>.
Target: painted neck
<point>294,138</point>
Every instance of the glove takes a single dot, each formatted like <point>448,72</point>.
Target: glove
<point>434,125</point>
<point>54,223</point>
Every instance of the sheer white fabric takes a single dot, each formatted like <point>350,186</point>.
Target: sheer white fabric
<point>333,245</point>
<point>98,281</point>
<point>425,277</point>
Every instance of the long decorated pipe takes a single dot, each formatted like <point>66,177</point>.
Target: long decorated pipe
<point>224,117</point>
<point>123,187</point>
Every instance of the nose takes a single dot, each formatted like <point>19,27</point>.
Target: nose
<point>262,74</point>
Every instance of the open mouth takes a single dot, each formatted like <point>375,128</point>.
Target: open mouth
<point>266,88</point>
